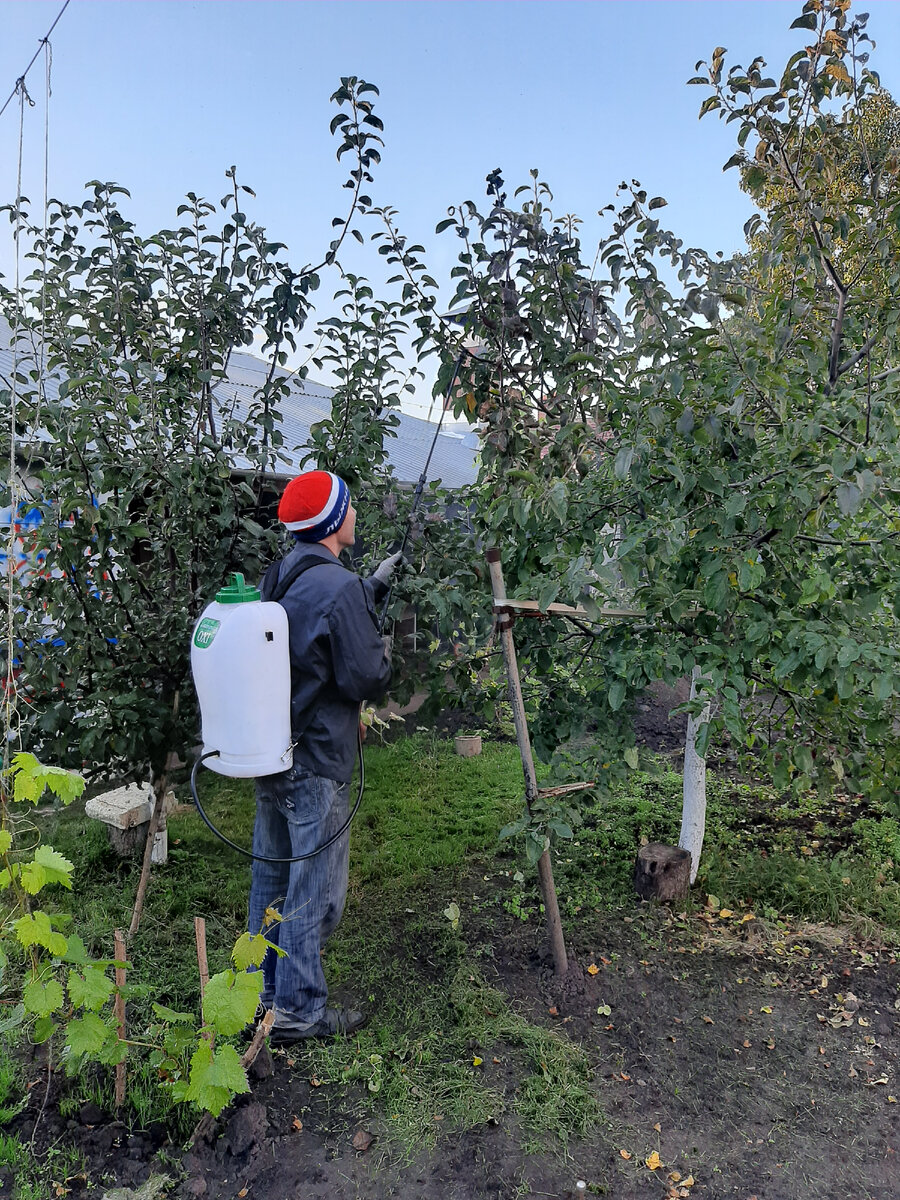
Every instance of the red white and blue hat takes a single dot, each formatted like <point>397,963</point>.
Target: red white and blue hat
<point>314,505</point>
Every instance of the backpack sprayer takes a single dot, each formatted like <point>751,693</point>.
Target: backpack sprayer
<point>242,674</point>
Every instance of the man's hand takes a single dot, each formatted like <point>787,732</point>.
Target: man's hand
<point>386,567</point>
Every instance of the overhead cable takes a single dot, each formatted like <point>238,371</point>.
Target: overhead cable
<point>20,82</point>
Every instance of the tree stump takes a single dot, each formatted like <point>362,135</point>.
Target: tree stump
<point>662,872</point>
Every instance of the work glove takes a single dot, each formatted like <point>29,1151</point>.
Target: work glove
<point>386,568</point>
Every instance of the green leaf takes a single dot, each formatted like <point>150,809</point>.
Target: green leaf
<point>43,998</point>
<point>513,829</point>
<point>230,1000</point>
<point>12,1018</point>
<point>33,877</point>
<point>90,990</point>
<point>535,847</point>
<point>631,757</point>
<point>170,1015</point>
<point>249,951</point>
<point>883,687</point>
<point>56,868</point>
<point>31,778</point>
<point>807,21</point>
<point>34,930</point>
<point>88,1034</point>
<point>215,1078</point>
<point>76,951</point>
<point>623,462</point>
<point>43,1028</point>
<point>616,695</point>
<point>5,840</point>
<point>849,497</point>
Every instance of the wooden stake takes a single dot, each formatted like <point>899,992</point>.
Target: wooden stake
<point>119,1012</point>
<point>203,964</point>
<point>544,866</point>
<point>161,787</point>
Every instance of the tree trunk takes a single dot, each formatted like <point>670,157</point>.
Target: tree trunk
<point>693,810</point>
<point>662,872</point>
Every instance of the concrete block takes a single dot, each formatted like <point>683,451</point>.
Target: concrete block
<point>124,807</point>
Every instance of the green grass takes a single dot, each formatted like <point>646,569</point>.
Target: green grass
<point>34,1179</point>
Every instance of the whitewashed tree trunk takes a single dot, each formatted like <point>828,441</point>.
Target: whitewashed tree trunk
<point>693,809</point>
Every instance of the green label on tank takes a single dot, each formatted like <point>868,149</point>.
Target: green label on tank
<point>206,631</point>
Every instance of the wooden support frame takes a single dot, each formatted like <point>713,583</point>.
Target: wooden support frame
<point>544,866</point>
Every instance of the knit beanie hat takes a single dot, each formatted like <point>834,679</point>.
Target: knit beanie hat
<point>313,505</point>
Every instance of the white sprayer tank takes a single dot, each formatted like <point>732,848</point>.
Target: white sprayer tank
<point>242,672</point>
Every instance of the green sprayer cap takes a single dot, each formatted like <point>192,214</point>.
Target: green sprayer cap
<point>237,592</point>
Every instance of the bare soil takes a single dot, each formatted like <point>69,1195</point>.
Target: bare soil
<point>754,1063</point>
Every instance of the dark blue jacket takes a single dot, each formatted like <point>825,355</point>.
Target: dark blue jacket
<point>337,657</point>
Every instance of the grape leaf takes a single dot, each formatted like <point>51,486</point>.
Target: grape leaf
<point>230,1000</point>
<point>88,1035</point>
<point>92,989</point>
<point>250,950</point>
<point>215,1078</point>
<point>34,930</point>
<point>43,998</point>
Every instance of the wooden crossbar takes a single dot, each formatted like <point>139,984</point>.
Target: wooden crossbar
<point>565,787</point>
<point>531,608</point>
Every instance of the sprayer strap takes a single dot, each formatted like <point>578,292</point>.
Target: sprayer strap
<point>273,588</point>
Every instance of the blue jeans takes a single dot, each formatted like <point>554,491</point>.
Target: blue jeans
<point>296,811</point>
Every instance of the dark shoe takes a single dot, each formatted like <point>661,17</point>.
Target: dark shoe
<point>336,1023</point>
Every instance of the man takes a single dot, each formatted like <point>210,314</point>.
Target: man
<point>338,660</point>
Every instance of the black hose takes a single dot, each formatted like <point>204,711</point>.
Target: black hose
<point>265,857</point>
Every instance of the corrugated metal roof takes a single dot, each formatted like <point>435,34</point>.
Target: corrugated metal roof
<point>455,459</point>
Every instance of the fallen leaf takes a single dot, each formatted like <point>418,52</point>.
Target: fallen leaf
<point>689,1183</point>
<point>746,1044</point>
<point>476,1061</point>
<point>675,1176</point>
<point>243,1192</point>
<point>748,917</point>
<point>603,1010</point>
<point>553,1011</point>
<point>765,1008</point>
<point>658,1127</point>
<point>593,969</point>
<point>496,1060</point>
<point>725,912</point>
<point>712,902</point>
<point>654,1162</point>
<point>314,1082</point>
<point>622,1075</point>
<point>892,1099</point>
<point>297,1124</point>
<point>708,1020</point>
<point>883,1079</point>
<point>362,1140</point>
<point>625,1154</point>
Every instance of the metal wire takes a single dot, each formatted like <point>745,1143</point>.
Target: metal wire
<point>20,82</point>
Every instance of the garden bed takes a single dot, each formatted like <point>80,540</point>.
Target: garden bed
<point>743,1044</point>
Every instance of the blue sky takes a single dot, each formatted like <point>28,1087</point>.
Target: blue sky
<point>163,96</point>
